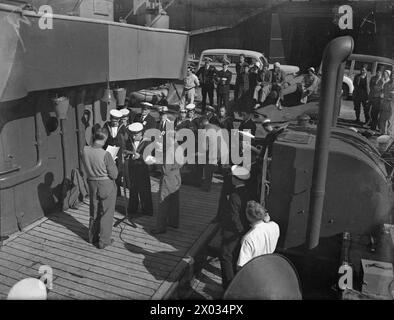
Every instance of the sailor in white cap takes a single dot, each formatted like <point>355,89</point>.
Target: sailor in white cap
<point>192,117</point>
<point>116,137</point>
<point>223,79</point>
<point>112,127</point>
<point>28,289</point>
<point>139,179</point>
<point>145,118</point>
<point>190,83</point>
<point>206,74</point>
<point>164,121</point>
<point>233,222</point>
<point>182,122</point>
<point>278,82</point>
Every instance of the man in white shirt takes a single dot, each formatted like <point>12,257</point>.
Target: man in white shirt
<point>261,238</point>
<point>190,83</point>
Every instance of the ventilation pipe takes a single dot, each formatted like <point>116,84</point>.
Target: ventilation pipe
<point>336,52</point>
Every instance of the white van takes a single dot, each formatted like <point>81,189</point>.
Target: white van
<point>232,55</point>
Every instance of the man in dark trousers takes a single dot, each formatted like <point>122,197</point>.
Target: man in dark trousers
<point>233,223</point>
<point>223,79</point>
<point>239,69</point>
<point>101,173</point>
<point>361,93</point>
<point>139,179</point>
<point>206,75</point>
<point>375,97</point>
<point>146,119</point>
<point>115,135</point>
<point>278,83</point>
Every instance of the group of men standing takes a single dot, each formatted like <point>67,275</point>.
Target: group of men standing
<point>376,96</point>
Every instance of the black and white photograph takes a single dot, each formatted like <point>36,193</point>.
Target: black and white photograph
<point>197,154</point>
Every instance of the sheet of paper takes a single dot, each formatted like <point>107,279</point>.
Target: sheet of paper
<point>113,150</point>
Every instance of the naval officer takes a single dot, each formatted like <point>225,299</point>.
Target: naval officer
<point>139,179</point>
<point>233,222</point>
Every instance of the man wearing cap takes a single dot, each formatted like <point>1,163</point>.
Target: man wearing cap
<point>240,71</point>
<point>385,120</point>
<point>309,85</point>
<point>207,75</point>
<point>375,97</point>
<point>164,125</point>
<point>223,79</point>
<point>271,135</point>
<point>101,173</point>
<point>139,179</point>
<point>123,137</point>
<point>211,115</point>
<point>264,79</point>
<point>112,127</point>
<point>263,236</point>
<point>190,83</point>
<point>145,118</point>
<point>182,121</point>
<point>278,81</point>
<point>192,117</point>
<point>247,122</point>
<point>361,93</point>
<point>233,223</point>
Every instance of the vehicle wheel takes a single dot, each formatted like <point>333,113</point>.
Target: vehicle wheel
<point>345,91</point>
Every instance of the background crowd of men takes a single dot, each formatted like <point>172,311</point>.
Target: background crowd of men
<point>375,95</point>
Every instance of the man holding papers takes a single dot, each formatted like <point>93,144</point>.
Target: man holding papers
<point>140,187</point>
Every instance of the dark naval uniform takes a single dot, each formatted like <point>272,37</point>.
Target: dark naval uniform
<point>140,186</point>
<point>223,88</point>
<point>206,76</point>
<point>148,122</point>
<point>233,226</point>
<point>117,141</point>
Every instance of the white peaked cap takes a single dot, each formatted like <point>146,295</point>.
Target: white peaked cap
<point>240,172</point>
<point>115,113</point>
<point>190,106</point>
<point>147,104</point>
<point>135,127</point>
<point>28,289</point>
<point>125,112</point>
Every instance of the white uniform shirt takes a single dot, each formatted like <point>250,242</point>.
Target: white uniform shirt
<point>260,240</point>
<point>114,131</point>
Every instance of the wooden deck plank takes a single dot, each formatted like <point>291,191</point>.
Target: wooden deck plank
<point>8,266</point>
<point>94,254</point>
<point>89,249</point>
<point>139,236</point>
<point>138,266</point>
<point>128,276</point>
<point>155,247</point>
<point>23,259</point>
<point>116,249</point>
